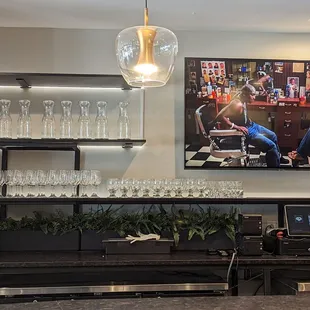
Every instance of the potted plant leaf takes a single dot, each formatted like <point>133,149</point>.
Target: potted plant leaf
<point>200,230</point>
<point>97,226</point>
<point>55,232</point>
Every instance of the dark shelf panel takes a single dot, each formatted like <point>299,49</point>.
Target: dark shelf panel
<point>151,200</point>
<point>65,144</point>
<point>28,80</point>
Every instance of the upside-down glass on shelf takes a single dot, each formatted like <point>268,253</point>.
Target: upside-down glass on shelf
<point>5,119</point>
<point>48,120</point>
<point>24,128</point>
<point>101,122</point>
<point>66,120</point>
<point>123,122</point>
<point>84,121</point>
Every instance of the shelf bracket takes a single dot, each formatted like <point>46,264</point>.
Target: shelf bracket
<point>127,145</point>
<point>23,83</point>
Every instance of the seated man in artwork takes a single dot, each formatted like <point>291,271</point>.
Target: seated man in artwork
<point>235,116</point>
<point>303,151</point>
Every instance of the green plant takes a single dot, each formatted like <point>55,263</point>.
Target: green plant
<point>154,220</point>
<point>99,221</point>
<point>202,223</point>
<point>55,224</point>
<point>145,221</point>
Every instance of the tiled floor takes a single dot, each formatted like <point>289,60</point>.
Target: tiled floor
<point>200,157</point>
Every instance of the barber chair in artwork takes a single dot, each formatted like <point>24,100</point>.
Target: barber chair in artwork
<point>227,144</point>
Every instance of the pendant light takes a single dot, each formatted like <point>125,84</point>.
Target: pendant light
<point>146,54</point>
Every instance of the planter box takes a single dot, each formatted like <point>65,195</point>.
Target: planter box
<point>123,246</point>
<point>92,241</point>
<point>24,240</point>
<point>216,241</point>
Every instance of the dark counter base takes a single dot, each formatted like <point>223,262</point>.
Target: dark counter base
<point>97,259</point>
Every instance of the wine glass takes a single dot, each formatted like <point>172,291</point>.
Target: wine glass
<point>189,184</point>
<point>8,175</point>
<point>95,179</point>
<point>167,188</point>
<point>146,184</point>
<point>29,176</point>
<point>63,181</point>
<point>18,179</point>
<point>2,181</point>
<point>124,188</point>
<point>177,185</point>
<point>42,181</point>
<point>52,180</point>
<point>112,187</point>
<point>135,188</point>
<point>201,186</point>
<point>85,182</point>
<point>74,181</point>
<point>212,189</point>
<point>158,187</point>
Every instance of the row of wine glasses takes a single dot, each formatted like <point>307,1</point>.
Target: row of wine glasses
<point>42,183</point>
<point>86,129</point>
<point>190,188</point>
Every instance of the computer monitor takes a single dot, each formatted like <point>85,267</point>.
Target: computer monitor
<point>298,220</point>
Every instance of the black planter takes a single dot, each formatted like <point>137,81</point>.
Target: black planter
<point>216,241</point>
<point>24,240</point>
<point>92,241</point>
<point>123,246</point>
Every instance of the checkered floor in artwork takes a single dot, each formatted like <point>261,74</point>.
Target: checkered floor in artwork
<point>200,157</point>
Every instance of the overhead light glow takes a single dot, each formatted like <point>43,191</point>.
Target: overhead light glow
<point>146,69</point>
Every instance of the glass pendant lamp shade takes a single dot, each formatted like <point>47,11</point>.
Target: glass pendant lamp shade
<point>146,54</point>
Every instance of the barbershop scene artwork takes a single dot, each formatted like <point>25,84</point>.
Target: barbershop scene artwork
<point>247,113</point>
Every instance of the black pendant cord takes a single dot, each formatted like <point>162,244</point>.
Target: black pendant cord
<point>146,4</point>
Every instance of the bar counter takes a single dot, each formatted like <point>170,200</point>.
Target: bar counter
<point>188,303</point>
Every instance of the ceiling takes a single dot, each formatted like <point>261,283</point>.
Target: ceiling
<point>193,15</point>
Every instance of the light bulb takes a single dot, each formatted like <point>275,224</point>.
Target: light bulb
<point>146,69</point>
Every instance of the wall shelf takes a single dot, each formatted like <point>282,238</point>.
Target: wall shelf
<point>65,144</point>
<point>29,80</point>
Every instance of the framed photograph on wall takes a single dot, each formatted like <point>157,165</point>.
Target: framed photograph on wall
<point>247,113</point>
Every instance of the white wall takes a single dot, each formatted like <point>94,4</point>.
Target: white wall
<point>92,51</point>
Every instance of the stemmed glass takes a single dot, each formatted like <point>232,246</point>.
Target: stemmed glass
<point>74,181</point>
<point>63,181</point>
<point>167,188</point>
<point>135,188</point>
<point>18,180</point>
<point>85,181</point>
<point>95,179</point>
<point>212,189</point>
<point>177,187</point>
<point>158,186</point>
<point>8,177</point>
<point>42,181</point>
<point>146,187</point>
<point>31,183</point>
<point>112,187</point>
<point>235,189</point>
<point>189,184</point>
<point>2,181</point>
<point>201,185</point>
<point>124,188</point>
<point>52,181</point>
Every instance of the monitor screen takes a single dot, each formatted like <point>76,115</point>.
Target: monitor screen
<point>298,220</point>
<point>246,113</point>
